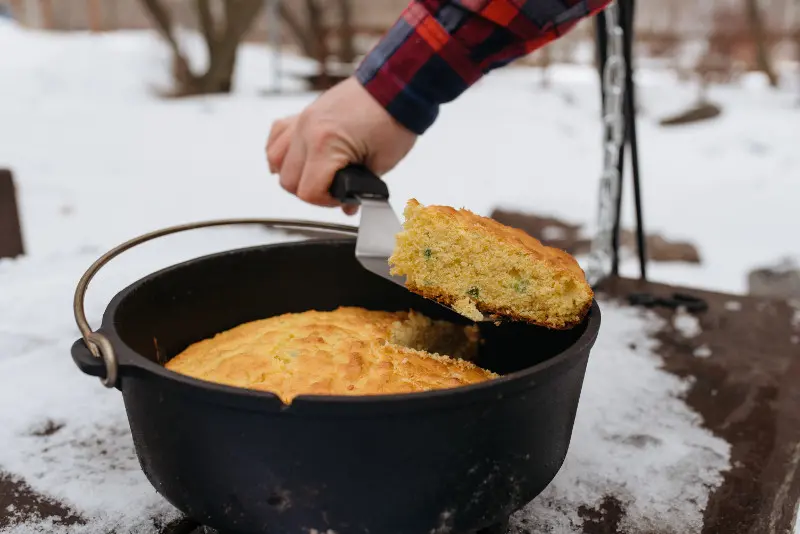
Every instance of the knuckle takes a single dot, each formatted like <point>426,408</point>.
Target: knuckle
<point>287,185</point>
<point>272,154</point>
<point>305,117</point>
<point>309,191</point>
<point>308,195</point>
<point>322,137</point>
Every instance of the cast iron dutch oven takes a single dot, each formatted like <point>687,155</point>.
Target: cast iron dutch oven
<point>456,460</point>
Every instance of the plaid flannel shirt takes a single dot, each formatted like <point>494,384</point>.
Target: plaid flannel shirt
<point>439,48</point>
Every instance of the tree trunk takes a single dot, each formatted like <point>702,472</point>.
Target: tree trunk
<point>298,30</point>
<point>219,77</point>
<point>347,52</point>
<point>763,60</point>
<point>222,43</point>
<point>162,20</point>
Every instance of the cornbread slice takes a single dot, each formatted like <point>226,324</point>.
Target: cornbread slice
<point>348,351</point>
<point>479,266</point>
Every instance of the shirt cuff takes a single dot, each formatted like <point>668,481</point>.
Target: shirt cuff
<point>417,67</point>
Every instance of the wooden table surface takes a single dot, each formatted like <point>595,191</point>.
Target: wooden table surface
<point>747,391</point>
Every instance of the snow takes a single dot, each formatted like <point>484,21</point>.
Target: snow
<point>98,159</point>
<point>686,323</point>
<point>703,351</point>
<point>661,468</point>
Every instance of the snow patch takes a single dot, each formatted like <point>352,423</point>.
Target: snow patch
<point>686,323</point>
<point>635,440</point>
<point>733,305</point>
<point>703,351</point>
<point>553,233</point>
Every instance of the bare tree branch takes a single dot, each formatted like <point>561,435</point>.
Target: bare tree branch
<point>163,22</point>
<point>222,41</point>
<point>207,25</point>
<point>239,17</point>
<point>298,30</point>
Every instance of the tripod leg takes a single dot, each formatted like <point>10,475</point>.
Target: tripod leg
<point>627,12</point>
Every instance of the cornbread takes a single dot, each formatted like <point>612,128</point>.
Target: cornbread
<point>479,266</point>
<point>348,351</point>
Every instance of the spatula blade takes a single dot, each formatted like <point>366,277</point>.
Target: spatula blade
<point>376,238</point>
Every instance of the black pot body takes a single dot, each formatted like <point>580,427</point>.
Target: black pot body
<point>243,462</point>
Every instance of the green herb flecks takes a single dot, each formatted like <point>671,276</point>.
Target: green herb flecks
<point>521,286</point>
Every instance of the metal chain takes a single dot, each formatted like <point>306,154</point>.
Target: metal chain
<point>601,255</point>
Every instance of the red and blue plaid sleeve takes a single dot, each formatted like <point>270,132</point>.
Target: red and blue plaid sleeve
<point>439,48</point>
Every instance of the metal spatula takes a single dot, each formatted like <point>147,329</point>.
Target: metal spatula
<point>356,184</point>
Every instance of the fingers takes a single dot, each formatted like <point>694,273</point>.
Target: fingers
<point>278,142</point>
<point>291,169</point>
<point>302,173</point>
<point>317,177</point>
<point>350,209</point>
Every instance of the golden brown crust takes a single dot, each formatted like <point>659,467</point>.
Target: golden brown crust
<point>344,352</point>
<point>557,259</point>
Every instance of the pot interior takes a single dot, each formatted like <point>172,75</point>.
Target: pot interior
<point>160,315</point>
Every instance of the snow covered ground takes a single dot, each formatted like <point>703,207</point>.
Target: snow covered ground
<point>98,159</point>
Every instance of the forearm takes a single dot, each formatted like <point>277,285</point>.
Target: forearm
<point>439,48</point>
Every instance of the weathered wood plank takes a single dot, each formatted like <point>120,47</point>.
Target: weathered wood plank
<point>10,227</point>
<point>746,386</point>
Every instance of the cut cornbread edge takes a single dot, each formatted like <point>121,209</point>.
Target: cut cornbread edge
<point>556,263</point>
<point>499,314</point>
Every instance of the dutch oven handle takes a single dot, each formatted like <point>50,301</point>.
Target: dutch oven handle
<point>98,344</point>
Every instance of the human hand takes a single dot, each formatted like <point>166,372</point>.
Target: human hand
<point>344,125</point>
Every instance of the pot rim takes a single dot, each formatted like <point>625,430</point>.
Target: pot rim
<point>128,358</point>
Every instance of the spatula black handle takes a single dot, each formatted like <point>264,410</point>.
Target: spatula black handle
<point>356,182</point>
